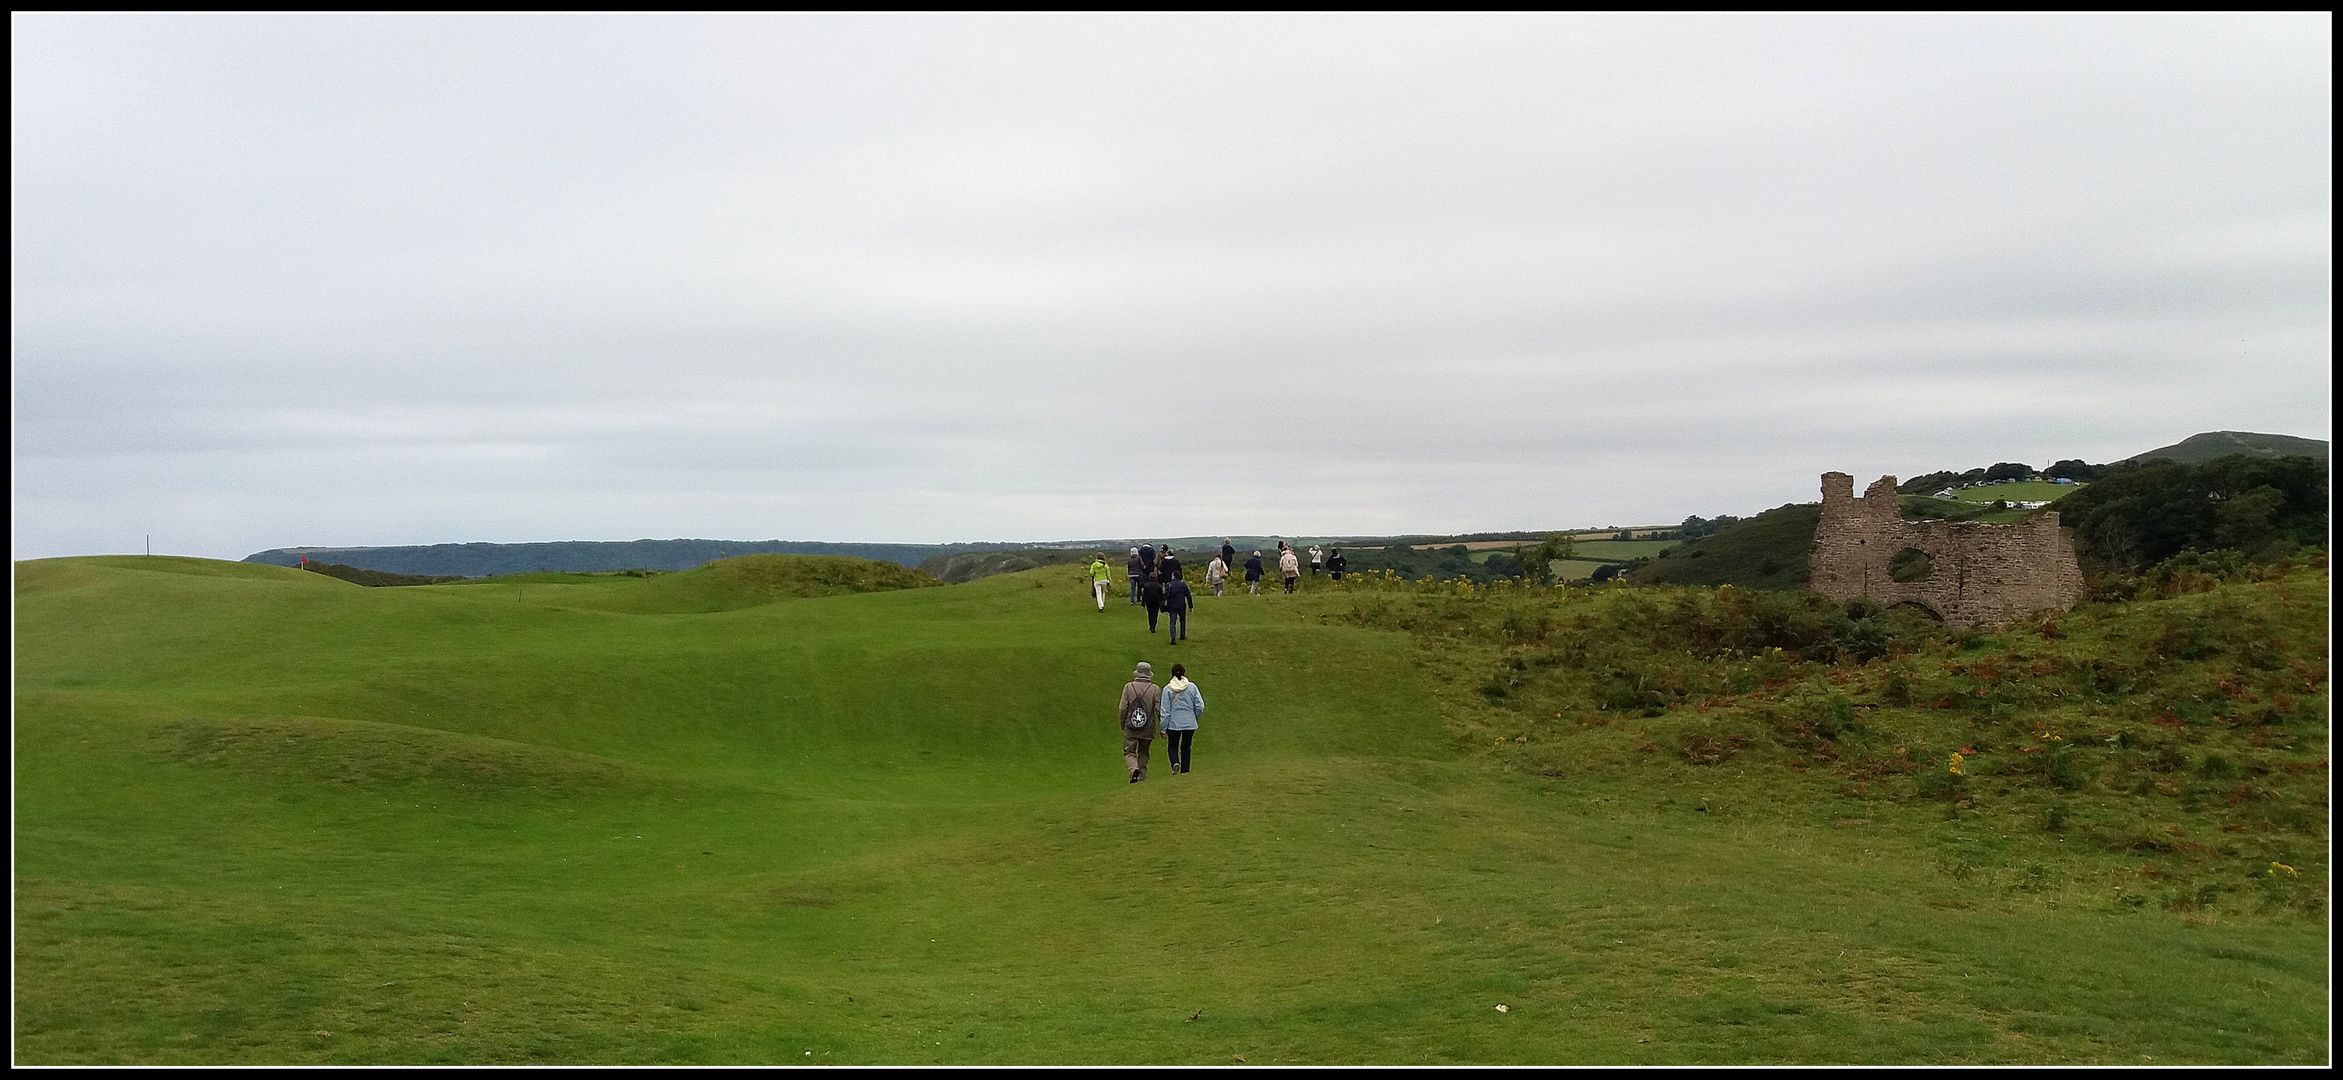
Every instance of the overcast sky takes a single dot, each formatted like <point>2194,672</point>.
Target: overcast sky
<point>290,280</point>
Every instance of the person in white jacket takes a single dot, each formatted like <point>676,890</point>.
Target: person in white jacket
<point>1181,705</point>
<point>1216,575</point>
<point>1288,565</point>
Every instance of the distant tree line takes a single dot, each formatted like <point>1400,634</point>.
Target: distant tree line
<point>1999,472</point>
<point>374,578</point>
<point>1696,527</point>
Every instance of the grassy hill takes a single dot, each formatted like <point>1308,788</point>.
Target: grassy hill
<point>269,816</point>
<point>1767,551</point>
<point>723,585</point>
<point>2208,445</point>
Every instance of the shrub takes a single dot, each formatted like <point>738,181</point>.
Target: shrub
<point>2062,767</point>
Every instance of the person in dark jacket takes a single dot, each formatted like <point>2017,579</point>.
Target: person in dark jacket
<point>1168,567</point>
<point>1147,560</point>
<point>1176,602</point>
<point>1335,563</point>
<point>1253,574</point>
<point>1136,572</point>
<point>1151,594</point>
<point>1228,553</point>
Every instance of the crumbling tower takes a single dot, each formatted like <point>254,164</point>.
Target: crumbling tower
<point>1973,574</point>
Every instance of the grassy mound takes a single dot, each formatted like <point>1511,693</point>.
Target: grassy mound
<point>723,585</point>
<point>303,751</point>
<point>1767,551</point>
<point>893,827</point>
<point>373,579</point>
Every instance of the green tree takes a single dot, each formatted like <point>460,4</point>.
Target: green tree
<point>1537,560</point>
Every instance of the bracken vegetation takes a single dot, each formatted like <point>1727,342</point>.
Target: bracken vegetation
<point>2167,747</point>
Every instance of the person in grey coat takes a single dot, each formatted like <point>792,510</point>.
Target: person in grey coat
<point>1141,705</point>
<point>1180,706</point>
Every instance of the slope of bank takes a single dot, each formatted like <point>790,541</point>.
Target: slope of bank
<point>1768,551</point>
<point>267,816</point>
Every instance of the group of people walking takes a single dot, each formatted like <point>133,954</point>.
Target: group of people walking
<point>1171,709</point>
<point>1158,583</point>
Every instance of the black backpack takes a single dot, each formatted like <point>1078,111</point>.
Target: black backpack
<point>1137,721</point>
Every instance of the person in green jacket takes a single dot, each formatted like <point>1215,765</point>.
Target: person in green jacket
<point>1099,579</point>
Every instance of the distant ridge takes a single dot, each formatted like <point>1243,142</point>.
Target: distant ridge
<point>598,556</point>
<point>591,556</point>
<point>2212,444</point>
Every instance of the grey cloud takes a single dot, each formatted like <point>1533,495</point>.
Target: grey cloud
<point>926,277</point>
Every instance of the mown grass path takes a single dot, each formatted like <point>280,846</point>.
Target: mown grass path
<point>266,816</point>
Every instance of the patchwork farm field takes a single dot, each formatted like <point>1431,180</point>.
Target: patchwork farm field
<point>267,816</point>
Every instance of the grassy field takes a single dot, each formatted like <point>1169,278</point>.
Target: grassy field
<point>2017,491</point>
<point>269,816</point>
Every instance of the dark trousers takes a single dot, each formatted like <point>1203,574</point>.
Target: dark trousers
<point>1177,744</point>
<point>1134,588</point>
<point>1179,625</point>
<point>1289,584</point>
<point>1151,610</point>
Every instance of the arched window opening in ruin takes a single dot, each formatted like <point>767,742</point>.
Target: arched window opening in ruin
<point>1916,608</point>
<point>1910,564</point>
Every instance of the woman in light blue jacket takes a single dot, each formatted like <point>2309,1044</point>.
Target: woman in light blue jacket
<point>1182,705</point>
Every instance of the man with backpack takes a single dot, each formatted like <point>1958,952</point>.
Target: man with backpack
<point>1137,715</point>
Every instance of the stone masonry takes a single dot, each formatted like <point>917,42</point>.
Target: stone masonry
<point>1982,575</point>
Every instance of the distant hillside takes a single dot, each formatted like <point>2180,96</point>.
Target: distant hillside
<point>2213,444</point>
<point>1764,552</point>
<point>586,556</point>
<point>964,566</point>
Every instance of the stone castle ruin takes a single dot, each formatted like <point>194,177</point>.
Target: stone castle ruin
<point>1966,573</point>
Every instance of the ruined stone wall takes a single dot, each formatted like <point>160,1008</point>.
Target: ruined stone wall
<point>1983,575</point>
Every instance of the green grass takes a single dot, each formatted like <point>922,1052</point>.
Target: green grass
<point>267,816</point>
<point>2016,491</point>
